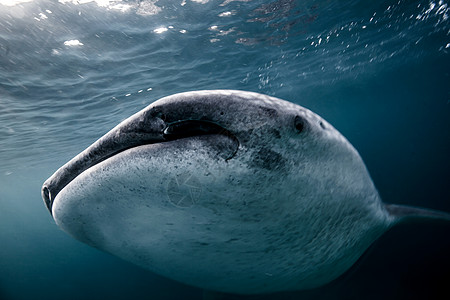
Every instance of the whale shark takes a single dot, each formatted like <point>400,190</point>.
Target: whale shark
<point>228,191</point>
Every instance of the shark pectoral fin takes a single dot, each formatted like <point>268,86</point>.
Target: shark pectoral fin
<point>403,213</point>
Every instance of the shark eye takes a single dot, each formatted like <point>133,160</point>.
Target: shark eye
<point>299,124</point>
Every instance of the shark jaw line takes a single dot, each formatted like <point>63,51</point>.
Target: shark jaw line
<point>177,130</point>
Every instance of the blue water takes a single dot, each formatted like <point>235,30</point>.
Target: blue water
<point>69,72</point>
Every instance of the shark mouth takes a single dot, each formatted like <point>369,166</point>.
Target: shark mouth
<point>126,137</point>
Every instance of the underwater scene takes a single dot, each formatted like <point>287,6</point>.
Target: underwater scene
<point>377,71</point>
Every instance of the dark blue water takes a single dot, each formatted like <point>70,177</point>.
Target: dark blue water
<point>69,72</point>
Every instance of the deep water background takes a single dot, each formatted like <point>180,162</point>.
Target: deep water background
<point>69,72</point>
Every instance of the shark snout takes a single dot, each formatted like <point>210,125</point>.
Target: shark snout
<point>141,129</point>
<point>47,197</point>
